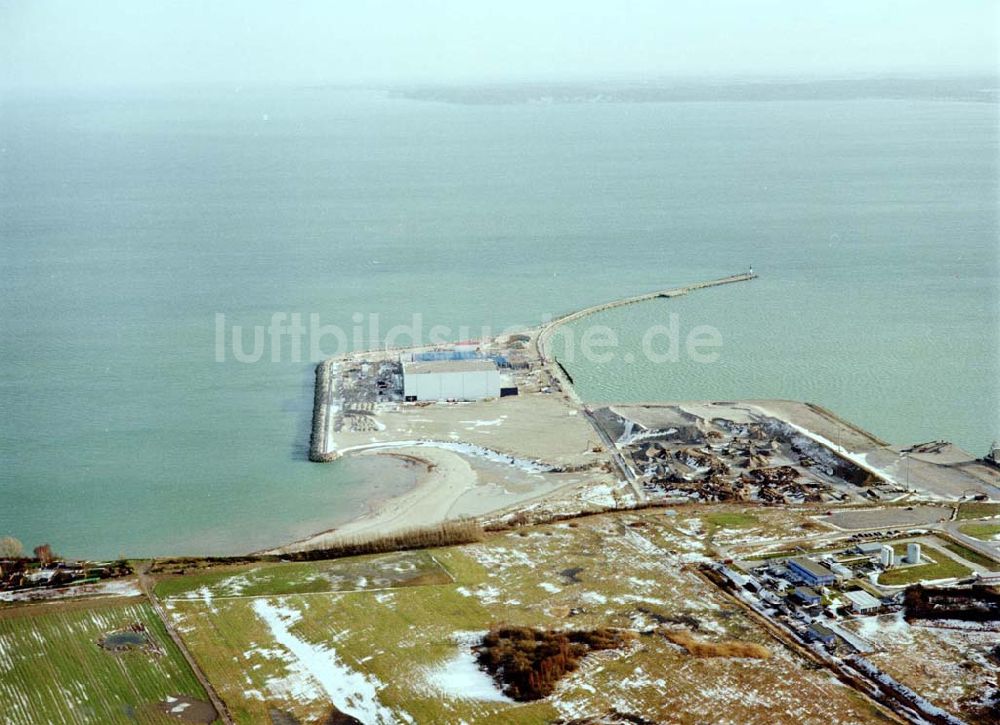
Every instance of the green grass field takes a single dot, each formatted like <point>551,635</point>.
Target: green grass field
<point>730,520</point>
<point>53,671</point>
<point>408,568</point>
<point>978,510</point>
<point>942,567</point>
<point>396,637</point>
<point>983,531</point>
<point>972,556</point>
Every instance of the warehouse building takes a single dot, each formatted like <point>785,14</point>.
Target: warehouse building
<point>811,572</point>
<point>450,379</point>
<point>819,633</point>
<point>862,602</point>
<point>869,548</point>
<point>842,571</point>
<point>807,595</point>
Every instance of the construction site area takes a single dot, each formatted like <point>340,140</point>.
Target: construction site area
<point>780,452</point>
<point>735,452</point>
<point>489,394</point>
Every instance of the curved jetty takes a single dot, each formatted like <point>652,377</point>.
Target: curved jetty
<point>545,333</point>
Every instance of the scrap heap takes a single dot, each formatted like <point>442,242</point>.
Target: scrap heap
<point>729,461</point>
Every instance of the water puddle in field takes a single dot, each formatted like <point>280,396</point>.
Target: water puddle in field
<point>188,709</point>
<point>132,638</point>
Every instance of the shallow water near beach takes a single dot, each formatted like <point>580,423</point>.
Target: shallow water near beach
<point>129,220</point>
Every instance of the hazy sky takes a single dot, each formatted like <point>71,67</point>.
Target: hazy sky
<point>86,42</point>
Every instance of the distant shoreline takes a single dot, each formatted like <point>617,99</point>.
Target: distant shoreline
<point>963,88</point>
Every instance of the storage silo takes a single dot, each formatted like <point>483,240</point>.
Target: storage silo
<point>886,556</point>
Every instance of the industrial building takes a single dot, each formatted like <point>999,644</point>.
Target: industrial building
<point>819,633</point>
<point>842,571</point>
<point>868,548</point>
<point>812,573</point>
<point>451,379</point>
<point>862,602</point>
<point>807,595</point>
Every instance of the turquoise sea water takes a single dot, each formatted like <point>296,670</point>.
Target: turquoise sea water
<point>129,220</point>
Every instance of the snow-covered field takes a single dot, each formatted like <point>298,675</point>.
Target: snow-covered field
<point>460,676</point>
<point>110,588</point>
<point>392,655</point>
<point>951,667</point>
<point>313,671</point>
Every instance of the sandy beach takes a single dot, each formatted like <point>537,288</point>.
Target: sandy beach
<point>447,477</point>
<point>451,486</point>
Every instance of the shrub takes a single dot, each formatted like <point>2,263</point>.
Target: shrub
<point>728,648</point>
<point>526,663</point>
<point>977,603</point>
<point>448,533</point>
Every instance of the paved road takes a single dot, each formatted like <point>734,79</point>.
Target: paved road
<point>981,547</point>
<point>616,456</point>
<point>556,372</point>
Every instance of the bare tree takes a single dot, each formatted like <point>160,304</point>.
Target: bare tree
<point>44,554</point>
<point>10,548</point>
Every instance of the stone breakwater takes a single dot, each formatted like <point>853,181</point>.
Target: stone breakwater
<point>321,411</point>
<point>560,374</point>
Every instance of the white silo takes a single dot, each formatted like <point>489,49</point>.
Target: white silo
<point>886,556</point>
<point>913,553</point>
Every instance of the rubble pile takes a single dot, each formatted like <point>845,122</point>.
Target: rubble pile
<point>729,461</point>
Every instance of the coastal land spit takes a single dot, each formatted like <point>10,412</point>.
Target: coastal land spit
<point>751,561</point>
<point>544,448</point>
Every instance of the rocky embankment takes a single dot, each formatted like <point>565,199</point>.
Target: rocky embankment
<point>321,409</point>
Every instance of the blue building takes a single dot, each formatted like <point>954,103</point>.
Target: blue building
<point>807,595</point>
<point>811,572</point>
<point>819,633</point>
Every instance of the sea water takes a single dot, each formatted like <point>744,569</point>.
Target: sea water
<point>129,221</point>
